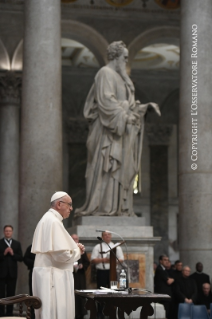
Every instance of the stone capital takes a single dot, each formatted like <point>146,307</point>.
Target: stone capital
<point>158,134</point>
<point>10,89</point>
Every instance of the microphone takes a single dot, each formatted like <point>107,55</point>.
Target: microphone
<point>100,239</point>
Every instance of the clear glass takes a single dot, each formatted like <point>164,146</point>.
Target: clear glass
<point>113,284</point>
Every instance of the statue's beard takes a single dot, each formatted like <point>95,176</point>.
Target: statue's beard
<point>121,70</point>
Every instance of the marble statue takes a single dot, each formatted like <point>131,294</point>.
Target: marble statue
<point>114,143</point>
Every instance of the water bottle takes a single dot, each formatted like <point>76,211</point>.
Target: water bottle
<point>123,279</point>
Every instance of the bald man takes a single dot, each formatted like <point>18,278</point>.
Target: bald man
<point>56,252</point>
<point>102,261</point>
<point>185,287</point>
<point>205,296</point>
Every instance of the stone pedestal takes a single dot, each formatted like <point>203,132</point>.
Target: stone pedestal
<point>139,239</point>
<point>195,160</point>
<point>9,150</point>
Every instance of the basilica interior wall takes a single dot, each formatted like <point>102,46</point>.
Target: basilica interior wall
<point>95,28</point>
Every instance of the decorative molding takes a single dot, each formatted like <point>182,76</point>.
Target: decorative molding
<point>68,1</point>
<point>119,3</point>
<point>168,4</point>
<point>158,134</point>
<point>10,89</point>
<point>12,1</point>
<point>125,9</point>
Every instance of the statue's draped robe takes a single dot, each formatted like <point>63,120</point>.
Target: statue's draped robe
<point>114,147</point>
<point>52,279</point>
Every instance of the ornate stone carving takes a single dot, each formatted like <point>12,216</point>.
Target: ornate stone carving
<point>119,3</point>
<point>158,134</point>
<point>168,4</point>
<point>10,89</point>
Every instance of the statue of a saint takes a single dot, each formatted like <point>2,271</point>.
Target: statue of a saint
<point>114,144</point>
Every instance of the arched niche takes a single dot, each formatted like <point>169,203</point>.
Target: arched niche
<point>88,36</point>
<point>164,34</point>
<point>72,30</point>
<point>158,56</point>
<point>4,57</point>
<point>17,59</point>
<point>76,54</point>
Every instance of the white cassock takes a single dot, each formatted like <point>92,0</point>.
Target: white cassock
<point>52,279</point>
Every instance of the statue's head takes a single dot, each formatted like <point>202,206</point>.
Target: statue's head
<point>117,54</point>
<point>115,50</point>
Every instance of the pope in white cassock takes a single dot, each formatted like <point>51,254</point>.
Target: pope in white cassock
<point>56,252</point>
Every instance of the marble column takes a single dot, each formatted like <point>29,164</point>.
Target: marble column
<point>41,127</point>
<point>195,134</point>
<point>9,150</point>
<point>159,214</point>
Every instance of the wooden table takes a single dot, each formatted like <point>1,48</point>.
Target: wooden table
<point>124,302</point>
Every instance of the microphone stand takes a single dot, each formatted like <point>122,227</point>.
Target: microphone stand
<point>109,231</point>
<point>122,266</point>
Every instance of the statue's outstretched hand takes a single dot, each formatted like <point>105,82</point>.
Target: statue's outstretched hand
<point>155,106</point>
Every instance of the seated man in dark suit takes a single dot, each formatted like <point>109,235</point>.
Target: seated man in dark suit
<point>170,270</point>
<point>10,253</point>
<point>163,282</point>
<point>205,296</point>
<point>185,287</point>
<point>199,276</point>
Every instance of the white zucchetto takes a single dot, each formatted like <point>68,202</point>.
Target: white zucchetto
<point>57,195</point>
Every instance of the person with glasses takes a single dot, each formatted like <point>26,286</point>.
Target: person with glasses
<point>56,252</point>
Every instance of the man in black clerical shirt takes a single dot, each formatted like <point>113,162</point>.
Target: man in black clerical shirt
<point>178,269</point>
<point>29,259</point>
<point>10,254</point>
<point>205,296</point>
<point>163,283</point>
<point>199,277</point>
<point>80,268</point>
<point>170,270</point>
<point>185,287</point>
